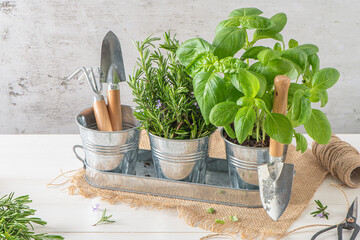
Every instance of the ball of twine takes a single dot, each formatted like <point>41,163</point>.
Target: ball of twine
<point>341,159</point>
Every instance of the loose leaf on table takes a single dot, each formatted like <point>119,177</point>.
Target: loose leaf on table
<point>223,113</point>
<point>244,122</point>
<point>252,52</point>
<point>325,78</point>
<point>241,12</point>
<point>246,82</point>
<point>278,127</point>
<point>301,142</point>
<point>318,127</point>
<point>228,41</point>
<point>190,49</point>
<point>227,23</point>
<point>209,90</point>
<point>279,20</point>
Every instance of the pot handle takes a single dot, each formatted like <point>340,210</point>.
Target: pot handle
<point>76,154</point>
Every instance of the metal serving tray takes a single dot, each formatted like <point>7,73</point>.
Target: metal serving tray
<point>216,190</point>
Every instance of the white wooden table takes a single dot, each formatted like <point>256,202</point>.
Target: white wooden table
<point>29,162</point>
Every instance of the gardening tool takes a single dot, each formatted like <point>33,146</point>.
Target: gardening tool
<point>275,178</point>
<point>100,110</point>
<point>349,224</point>
<point>112,71</point>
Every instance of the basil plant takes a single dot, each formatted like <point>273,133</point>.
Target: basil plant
<point>236,92</point>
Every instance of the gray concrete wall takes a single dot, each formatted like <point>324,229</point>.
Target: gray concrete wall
<point>42,42</point>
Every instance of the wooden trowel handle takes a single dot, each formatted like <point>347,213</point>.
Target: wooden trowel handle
<point>282,84</point>
<point>114,106</point>
<point>101,114</point>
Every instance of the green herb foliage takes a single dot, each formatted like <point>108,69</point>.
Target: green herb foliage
<point>320,212</point>
<point>104,219</point>
<point>164,92</point>
<point>16,221</point>
<point>239,92</point>
<point>210,210</point>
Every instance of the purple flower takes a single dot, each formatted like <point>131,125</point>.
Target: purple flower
<point>320,215</point>
<point>95,207</point>
<point>158,104</point>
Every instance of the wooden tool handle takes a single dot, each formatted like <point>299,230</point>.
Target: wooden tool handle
<point>282,84</point>
<point>101,114</point>
<point>114,107</point>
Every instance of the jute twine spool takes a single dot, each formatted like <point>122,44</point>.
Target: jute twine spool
<point>341,159</point>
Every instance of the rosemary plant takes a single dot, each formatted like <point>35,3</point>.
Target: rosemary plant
<point>164,94</point>
<point>16,221</point>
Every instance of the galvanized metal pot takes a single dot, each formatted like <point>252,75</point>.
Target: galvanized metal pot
<point>183,160</point>
<point>109,151</point>
<point>243,163</point>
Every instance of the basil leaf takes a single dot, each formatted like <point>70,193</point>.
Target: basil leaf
<point>255,22</point>
<point>296,105</point>
<point>241,12</point>
<point>209,90</point>
<point>230,65</point>
<point>246,82</point>
<point>278,127</point>
<point>278,37</point>
<point>296,56</point>
<point>293,43</point>
<point>244,123</point>
<point>253,52</point>
<point>267,55</point>
<point>227,23</point>
<point>309,49</point>
<point>223,113</point>
<point>318,127</point>
<point>262,82</point>
<point>294,87</point>
<point>261,104</point>
<point>325,78</point>
<point>279,20</point>
<point>314,61</point>
<point>301,142</point>
<point>268,99</point>
<point>294,124</point>
<point>324,99</point>
<point>233,94</point>
<point>282,67</point>
<point>245,101</point>
<point>277,47</point>
<point>190,49</point>
<point>204,62</point>
<point>228,41</point>
<point>305,113</point>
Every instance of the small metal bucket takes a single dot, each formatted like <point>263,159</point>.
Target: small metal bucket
<point>243,163</point>
<point>183,160</point>
<point>109,151</point>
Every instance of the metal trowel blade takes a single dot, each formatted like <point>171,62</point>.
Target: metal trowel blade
<point>112,68</point>
<point>275,188</point>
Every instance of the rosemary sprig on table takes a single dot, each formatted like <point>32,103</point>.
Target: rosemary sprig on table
<point>16,221</point>
<point>104,218</point>
<point>320,212</point>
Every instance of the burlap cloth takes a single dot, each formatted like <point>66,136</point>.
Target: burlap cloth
<point>253,222</point>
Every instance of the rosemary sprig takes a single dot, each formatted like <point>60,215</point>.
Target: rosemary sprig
<point>104,218</point>
<point>16,221</point>
<point>164,93</point>
<point>320,212</point>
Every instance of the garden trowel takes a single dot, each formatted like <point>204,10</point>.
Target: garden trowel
<point>112,71</point>
<point>276,177</point>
